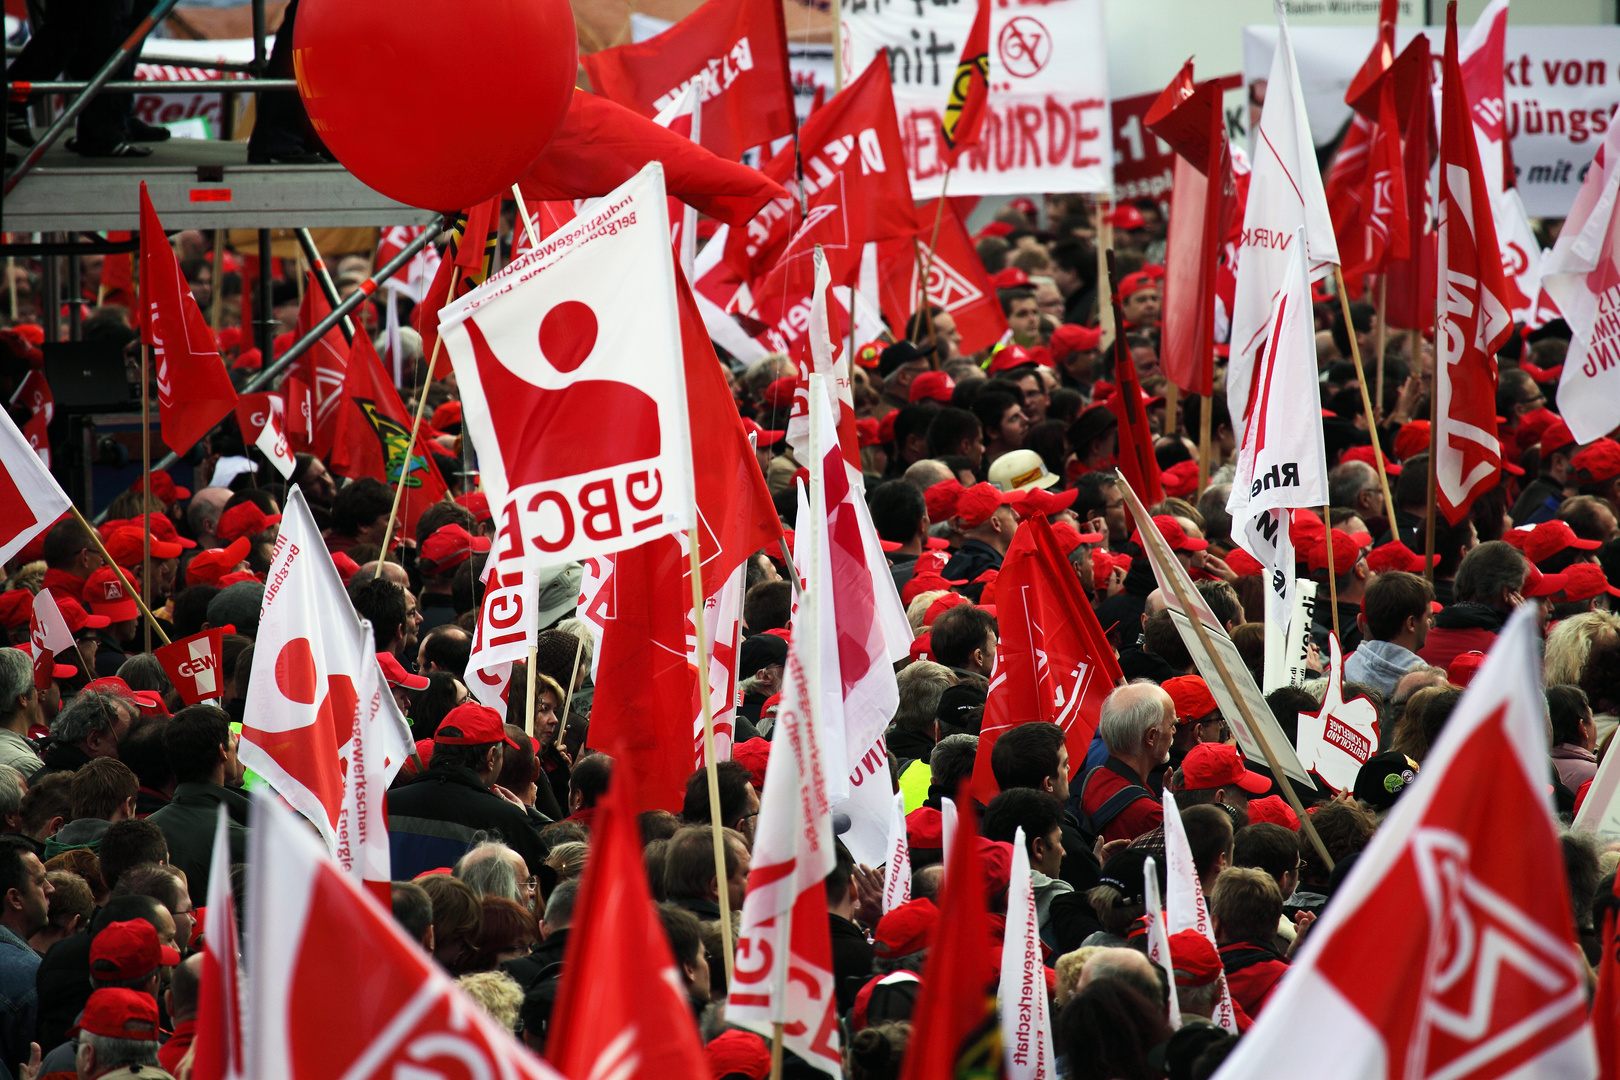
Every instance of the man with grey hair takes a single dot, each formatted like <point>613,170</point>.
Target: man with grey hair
<point>915,730</point>
<point>1138,725</point>
<point>926,473</point>
<point>19,710</point>
<point>1491,581</point>
<point>1354,486</point>
<point>1128,966</point>
<point>88,727</point>
<point>203,513</point>
<point>493,869</point>
<point>544,961</point>
<point>12,789</point>
<point>118,1037</point>
<point>949,765</point>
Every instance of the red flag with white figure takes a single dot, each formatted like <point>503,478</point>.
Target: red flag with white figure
<point>824,338</point>
<point>1026,1024</point>
<point>505,629</point>
<point>956,280</point>
<point>1462,898</point>
<point>263,420</point>
<point>362,824</point>
<point>219,1048</point>
<point>736,50</point>
<point>193,665</point>
<point>319,373</point>
<point>1052,661</point>
<point>579,414</point>
<point>1185,907</point>
<point>469,258</point>
<point>621,1012</point>
<point>1480,63</point>
<point>1474,307</point>
<point>1379,233</point>
<point>969,98</point>
<point>308,667</point>
<point>31,500</point>
<point>50,636</point>
<point>373,437</point>
<point>313,932</point>
<point>784,955</point>
<point>194,389</point>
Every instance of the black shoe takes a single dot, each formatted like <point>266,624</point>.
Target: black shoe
<point>293,157</point>
<point>114,150</point>
<point>17,127</point>
<point>138,130</point>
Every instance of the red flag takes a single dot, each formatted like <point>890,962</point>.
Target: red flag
<point>1409,298</point>
<point>956,279</point>
<point>218,1053</point>
<point>1378,232</point>
<point>970,91</point>
<point>1052,662</point>
<point>31,501</point>
<point>337,989</point>
<point>466,263</point>
<point>373,433</point>
<point>738,48</point>
<point>1449,949</point>
<point>601,145</point>
<point>194,389</point>
<point>320,372</point>
<point>1363,92</point>
<point>1128,404</point>
<point>954,1030</point>
<point>620,1011</point>
<point>644,683</point>
<point>1474,305</point>
<point>856,190</point>
<point>193,665</point>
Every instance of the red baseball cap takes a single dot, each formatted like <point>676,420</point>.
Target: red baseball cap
<point>995,859</point>
<point>1584,580</point>
<point>978,504</point>
<point>931,386</point>
<point>211,564</point>
<point>472,724</point>
<point>1346,551</point>
<point>244,519</point>
<point>1008,357</point>
<point>477,504</point>
<point>1556,437</point>
<point>126,546</point>
<point>76,617</point>
<point>1069,537</point>
<point>116,1013</point>
<point>1537,584</point>
<point>925,828</point>
<point>1463,668</point>
<point>1192,697</point>
<point>868,355</point>
<point>1273,809</point>
<point>1194,959</point>
<point>150,702</point>
<point>1243,564</point>
<point>346,566</point>
<point>1132,284</point>
<point>58,671</point>
<point>779,394</point>
<point>164,487</point>
<point>1009,278</point>
<point>1071,338</point>
<point>107,594</point>
<point>1396,556</point>
<point>1174,535</point>
<point>1213,765</point>
<point>1180,479</point>
<point>1549,538</point>
<point>754,755</point>
<point>868,432</point>
<point>738,1053</point>
<point>1412,439</point>
<point>942,605</point>
<point>396,674</point>
<point>1044,501</point>
<point>1365,454</point>
<point>920,646</point>
<point>762,436</point>
<point>1598,462</point>
<point>906,929</point>
<point>129,950</point>
<point>16,608</point>
<point>449,547</point>
<point>941,499</point>
<point>1127,216</point>
<point>446,414</point>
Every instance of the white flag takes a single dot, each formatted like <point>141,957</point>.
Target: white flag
<point>576,402</point>
<point>1026,1029</point>
<point>1185,908</point>
<point>1582,275</point>
<point>30,498</point>
<point>362,826</point>
<point>1343,735</point>
<point>897,868</point>
<point>505,629</point>
<point>868,807</point>
<point>1282,462</point>
<point>1158,942</point>
<point>309,664</point>
<point>1285,195</point>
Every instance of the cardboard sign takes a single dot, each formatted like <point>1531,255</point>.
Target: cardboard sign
<point>1343,735</point>
<point>1287,651</point>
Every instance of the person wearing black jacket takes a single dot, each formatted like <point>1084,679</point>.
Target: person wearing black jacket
<point>432,821</point>
<point>202,756</point>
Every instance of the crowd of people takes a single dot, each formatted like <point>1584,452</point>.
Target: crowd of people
<point>111,785</point>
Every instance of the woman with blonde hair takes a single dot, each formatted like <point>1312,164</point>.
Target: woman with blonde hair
<point>1584,651</point>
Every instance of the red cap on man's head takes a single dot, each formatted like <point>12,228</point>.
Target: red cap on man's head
<point>1213,765</point>
<point>1537,584</point>
<point>128,950</point>
<point>763,437</point>
<point>395,673</point>
<point>1550,537</point>
<point>164,487</point>
<point>1556,438</point>
<point>1345,553</point>
<point>1598,462</point>
<point>449,547</point>
<point>76,617</point>
<point>208,566</point>
<point>116,1013</point>
<point>1127,216</point>
<point>1071,338</point>
<point>1180,479</point>
<point>738,1053</point>
<point>941,499</point>
<point>127,546</point>
<point>244,519</point>
<point>906,929</point>
<point>1243,564</point>
<point>1194,959</point>
<point>472,724</point>
<point>1008,357</point>
<point>1463,668</point>
<point>931,386</point>
<point>107,594</point>
<point>942,605</point>
<point>1584,580</point>
<point>1192,697</point>
<point>779,394</point>
<point>1396,556</point>
<point>346,566</point>
<point>446,414</point>
<point>1273,809</point>
<point>477,504</point>
<point>1174,535</point>
<point>1412,439</point>
<point>150,702</point>
<point>1131,284</point>
<point>1009,278</point>
<point>1365,454</point>
<point>16,609</point>
<point>979,503</point>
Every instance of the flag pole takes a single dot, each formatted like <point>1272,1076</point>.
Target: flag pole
<point>776,1038</point>
<point>568,700</point>
<point>1366,399</point>
<point>1333,573</point>
<point>710,765</point>
<point>219,265</point>
<point>793,574</point>
<point>530,680</point>
<point>140,601</point>
<point>1383,335</point>
<point>1205,449</point>
<point>928,267</point>
<point>146,473</point>
<point>1166,557</point>
<point>1105,242</point>
<point>410,448</point>
<point>528,222</point>
<point>1434,445</point>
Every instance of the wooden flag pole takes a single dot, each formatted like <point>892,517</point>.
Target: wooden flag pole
<point>710,765</point>
<point>1172,402</point>
<point>219,263</point>
<point>528,222</point>
<point>1383,335</point>
<point>410,448</point>
<point>146,474</point>
<point>1434,445</point>
<point>1333,572</point>
<point>1366,400</point>
<point>140,601</point>
<point>923,306</point>
<point>528,721</point>
<point>1152,537</point>
<point>568,699</point>
<point>1205,449</point>
<point>776,1041</point>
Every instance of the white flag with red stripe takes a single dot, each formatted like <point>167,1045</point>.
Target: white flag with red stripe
<point>1158,941</point>
<point>362,824</point>
<point>1185,907</point>
<point>49,633</point>
<point>219,1046</point>
<point>30,498</point>
<point>897,868</point>
<point>1026,1026</point>
<point>784,954</point>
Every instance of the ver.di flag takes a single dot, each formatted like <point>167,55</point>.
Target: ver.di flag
<point>1185,907</point>
<point>578,411</point>
<point>31,500</point>
<point>1026,1026</point>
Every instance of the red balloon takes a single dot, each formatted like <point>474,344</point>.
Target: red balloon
<point>436,103</point>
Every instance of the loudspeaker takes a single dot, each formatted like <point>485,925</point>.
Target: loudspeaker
<point>87,377</point>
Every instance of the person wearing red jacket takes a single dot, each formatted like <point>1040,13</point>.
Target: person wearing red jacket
<point>1492,580</point>
<point>1245,905</point>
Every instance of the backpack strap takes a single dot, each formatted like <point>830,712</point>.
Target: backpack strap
<point>1095,823</point>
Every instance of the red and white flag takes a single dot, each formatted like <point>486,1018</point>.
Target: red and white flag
<point>684,115</point>
<point>735,51</point>
<point>956,280</point>
<point>622,1012</point>
<point>829,359</point>
<point>1462,899</point>
<point>1582,276</point>
<point>1379,233</point>
<point>784,955</point>
<point>1285,195</point>
<point>362,824</point>
<point>1053,663</point>
<point>310,662</point>
<point>1480,63</point>
<point>1282,460</point>
<point>312,930</point>
<point>579,414</point>
<point>194,389</point>
<point>1343,735</point>
<point>193,665</point>
<point>852,629</point>
<point>263,420</point>
<point>1473,303</point>
<point>1158,940</point>
<point>30,498</point>
<point>897,867</point>
<point>1026,1025</point>
<point>319,375</point>
<point>49,634</point>
<point>219,1053</point>
<point>505,629</point>
<point>413,280</point>
<point>1184,905</point>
